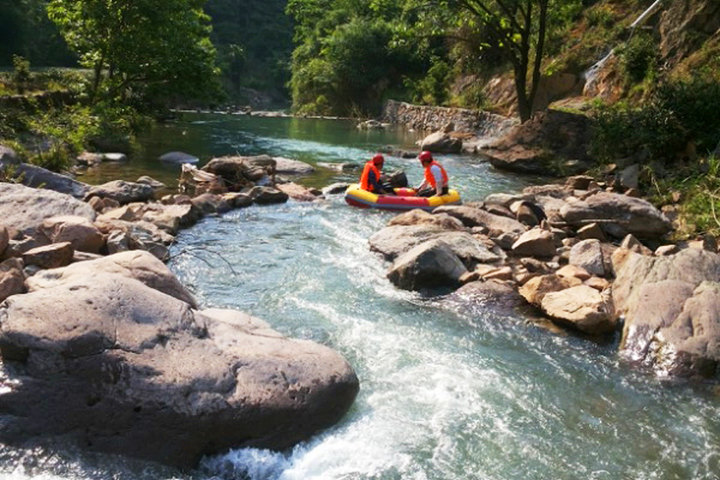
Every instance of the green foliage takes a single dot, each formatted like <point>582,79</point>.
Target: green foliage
<point>639,56</point>
<point>27,31</point>
<point>601,16</point>
<point>700,212</point>
<point>254,43</point>
<point>433,89</point>
<point>21,73</point>
<point>677,114</point>
<point>348,55</point>
<point>150,52</point>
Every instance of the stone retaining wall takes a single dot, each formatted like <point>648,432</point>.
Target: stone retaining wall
<point>420,117</point>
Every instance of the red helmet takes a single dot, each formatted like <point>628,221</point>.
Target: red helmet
<point>378,159</point>
<point>425,157</point>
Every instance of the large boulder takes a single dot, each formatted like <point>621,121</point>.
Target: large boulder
<point>428,265</point>
<point>137,264</point>
<point>418,217</point>
<point>24,209</point>
<point>178,158</point>
<point>485,299</point>
<point>79,231</point>
<point>477,217</point>
<point>50,256</point>
<point>588,254</point>
<point>38,177</point>
<point>393,240</point>
<point>288,166</point>
<point>109,364</point>
<point>551,142</point>
<point>619,215</point>
<point>535,243</point>
<point>670,306</point>
<point>239,172</point>
<point>122,191</point>
<point>441,142</point>
<point>582,308</point>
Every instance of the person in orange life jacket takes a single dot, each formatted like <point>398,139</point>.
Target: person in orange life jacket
<point>370,178</point>
<point>436,179</point>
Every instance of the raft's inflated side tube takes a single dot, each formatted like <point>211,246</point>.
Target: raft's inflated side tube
<point>404,199</point>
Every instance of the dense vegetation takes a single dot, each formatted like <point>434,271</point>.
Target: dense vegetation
<point>350,55</point>
<point>134,58</point>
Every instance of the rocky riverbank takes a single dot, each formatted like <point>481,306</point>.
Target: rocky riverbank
<point>589,260</point>
<point>102,347</point>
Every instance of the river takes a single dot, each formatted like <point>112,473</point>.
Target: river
<point>445,394</point>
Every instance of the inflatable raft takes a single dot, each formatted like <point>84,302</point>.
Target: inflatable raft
<point>404,199</point>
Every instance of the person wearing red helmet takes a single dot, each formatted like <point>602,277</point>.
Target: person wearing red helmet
<point>370,178</point>
<point>436,178</point>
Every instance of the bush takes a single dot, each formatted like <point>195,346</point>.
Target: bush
<point>601,16</point>
<point>639,57</point>
<point>677,114</point>
<point>21,73</point>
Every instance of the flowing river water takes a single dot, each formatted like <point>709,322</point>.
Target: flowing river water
<point>445,393</point>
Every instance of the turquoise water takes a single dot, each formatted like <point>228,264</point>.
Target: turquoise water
<point>445,393</point>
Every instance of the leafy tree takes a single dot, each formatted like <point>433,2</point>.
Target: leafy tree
<point>254,43</point>
<point>27,31</point>
<point>516,30</point>
<point>152,50</point>
<point>347,55</point>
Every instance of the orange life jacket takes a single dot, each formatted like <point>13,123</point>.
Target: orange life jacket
<point>430,178</point>
<point>365,177</point>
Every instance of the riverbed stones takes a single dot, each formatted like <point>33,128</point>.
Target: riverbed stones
<point>109,364</point>
<point>588,255</point>
<point>441,142</point>
<point>122,191</point>
<point>582,307</point>
<point>38,177</point>
<point>535,289</point>
<point>483,298</point>
<point>535,243</point>
<point>288,166</point>
<point>12,279</point>
<point>267,195</point>
<point>79,231</point>
<point>178,158</point>
<point>4,239</point>
<point>473,217</point>
<point>50,256</point>
<point>669,304</point>
<point>618,213</point>
<point>211,203</point>
<point>418,217</point>
<point>155,184</point>
<point>296,192</point>
<point>428,265</point>
<point>24,209</point>
<point>139,265</point>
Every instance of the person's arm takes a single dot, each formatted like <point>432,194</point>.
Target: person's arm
<point>437,173</point>
<point>375,182</point>
<point>424,184</point>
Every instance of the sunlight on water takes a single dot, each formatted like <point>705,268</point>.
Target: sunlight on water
<point>446,392</point>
